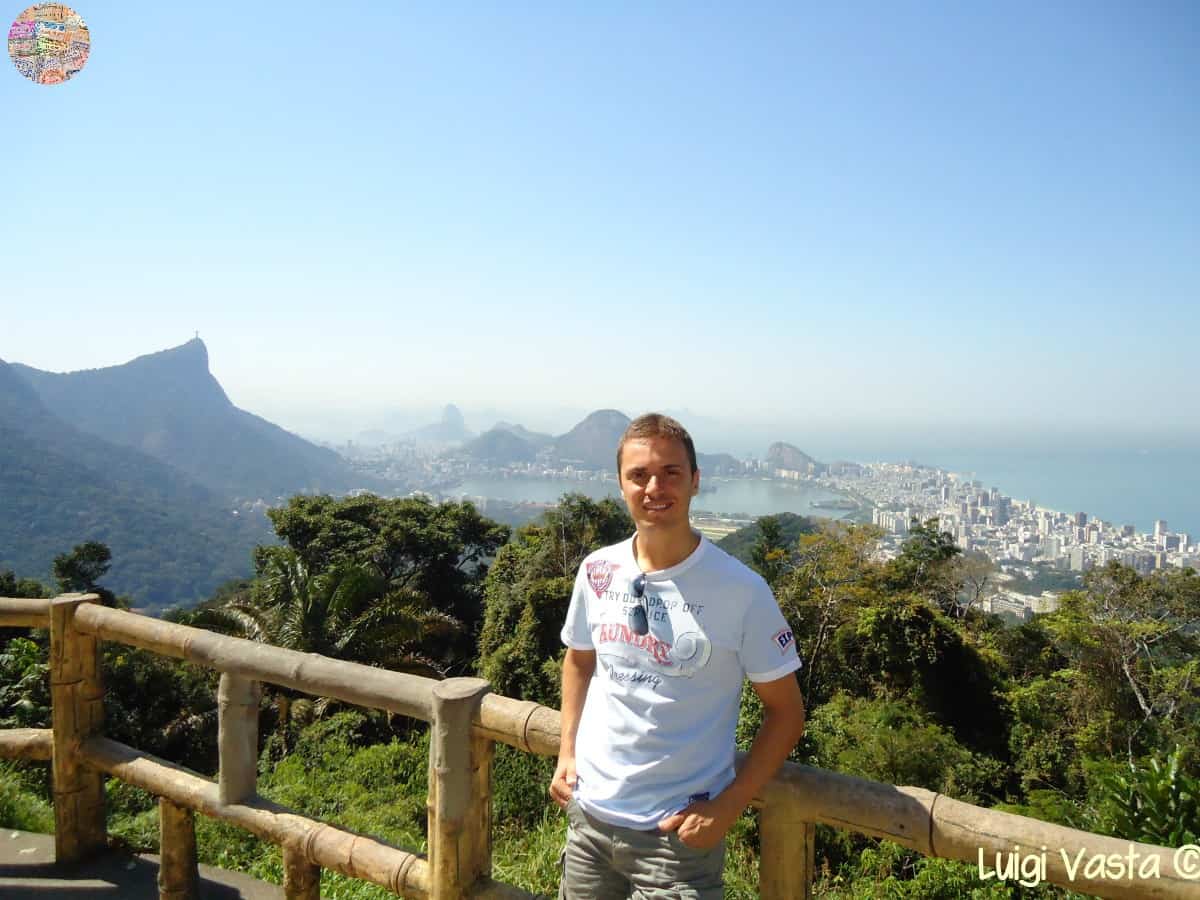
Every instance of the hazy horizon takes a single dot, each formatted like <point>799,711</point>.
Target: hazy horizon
<point>1126,475</point>
<point>741,433</point>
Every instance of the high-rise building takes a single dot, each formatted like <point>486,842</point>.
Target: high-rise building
<point>1127,531</point>
<point>1160,527</point>
<point>1080,519</point>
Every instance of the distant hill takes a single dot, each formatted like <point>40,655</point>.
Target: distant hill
<point>451,429</point>
<point>785,456</point>
<point>536,438</point>
<point>499,447</point>
<point>172,539</point>
<point>742,541</point>
<point>169,406</point>
<point>718,464</point>
<point>592,444</point>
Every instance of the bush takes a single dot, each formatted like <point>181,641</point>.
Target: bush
<point>520,785</point>
<point>20,808</point>
<point>896,742</point>
<point>1154,801</point>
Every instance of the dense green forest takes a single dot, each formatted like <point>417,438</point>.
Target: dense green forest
<point>174,541</point>
<point>1088,716</point>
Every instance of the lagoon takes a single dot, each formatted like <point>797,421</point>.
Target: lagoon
<point>726,496</point>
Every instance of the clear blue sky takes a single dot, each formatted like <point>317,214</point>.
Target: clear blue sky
<point>866,213</point>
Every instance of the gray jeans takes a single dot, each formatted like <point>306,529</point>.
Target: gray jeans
<point>607,862</point>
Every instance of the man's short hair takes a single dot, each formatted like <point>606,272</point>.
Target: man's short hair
<point>657,425</point>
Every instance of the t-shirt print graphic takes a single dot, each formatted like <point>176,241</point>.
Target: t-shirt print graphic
<point>619,644</point>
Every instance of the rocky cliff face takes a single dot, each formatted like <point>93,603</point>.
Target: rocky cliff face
<point>169,406</point>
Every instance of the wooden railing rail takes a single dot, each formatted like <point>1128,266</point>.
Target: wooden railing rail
<point>466,721</point>
<point>23,613</point>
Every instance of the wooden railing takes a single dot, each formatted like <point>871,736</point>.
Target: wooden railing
<point>466,722</point>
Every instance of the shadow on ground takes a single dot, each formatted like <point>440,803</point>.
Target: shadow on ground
<point>28,872</point>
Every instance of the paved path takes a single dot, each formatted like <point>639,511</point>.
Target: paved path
<point>28,872</point>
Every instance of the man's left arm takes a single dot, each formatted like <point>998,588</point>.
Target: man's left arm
<point>703,823</point>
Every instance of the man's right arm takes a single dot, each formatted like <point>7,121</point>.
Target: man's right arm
<point>578,667</point>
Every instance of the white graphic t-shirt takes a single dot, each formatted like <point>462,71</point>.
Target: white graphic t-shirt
<point>658,724</point>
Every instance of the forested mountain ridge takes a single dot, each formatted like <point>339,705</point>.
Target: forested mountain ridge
<point>169,406</point>
<point>172,539</point>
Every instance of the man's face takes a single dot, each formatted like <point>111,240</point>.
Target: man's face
<point>657,482</point>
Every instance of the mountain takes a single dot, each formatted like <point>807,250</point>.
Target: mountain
<point>499,447</point>
<point>536,438</point>
<point>169,406</point>
<point>451,429</point>
<point>173,541</point>
<point>592,444</point>
<point>718,464</point>
<point>785,456</point>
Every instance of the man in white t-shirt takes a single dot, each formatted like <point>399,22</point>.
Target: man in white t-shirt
<point>661,631</point>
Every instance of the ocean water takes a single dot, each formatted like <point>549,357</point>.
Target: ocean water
<point>1124,476</point>
<point>1122,486</point>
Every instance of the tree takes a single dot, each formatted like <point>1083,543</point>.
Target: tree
<point>24,685</point>
<point>526,594</point>
<point>1154,800</point>
<point>769,555</point>
<point>347,612</point>
<point>976,575</point>
<point>898,644</point>
<point>1134,645</point>
<point>891,739</point>
<point>926,566</point>
<point>828,576</point>
<point>742,543</point>
<point>527,591</point>
<point>81,569</point>
<point>439,551</point>
<point>11,586</point>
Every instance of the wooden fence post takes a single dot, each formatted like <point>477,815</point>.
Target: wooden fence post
<point>301,879</point>
<point>237,737</point>
<point>459,791</point>
<point>787,853</point>
<point>77,713</point>
<point>178,870</point>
